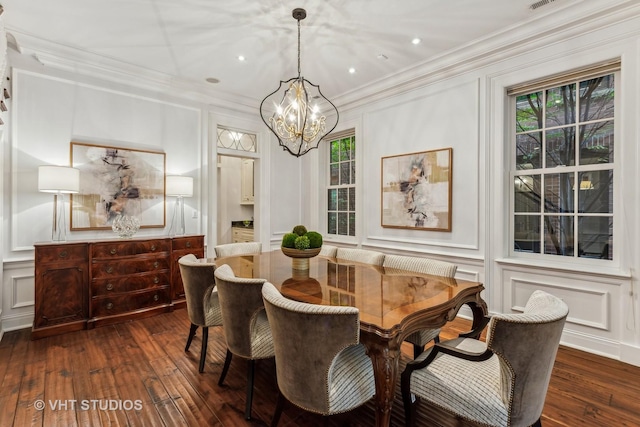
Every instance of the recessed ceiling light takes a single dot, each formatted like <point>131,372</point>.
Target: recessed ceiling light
<point>212,80</point>
<point>241,58</point>
<point>352,70</point>
<point>416,41</point>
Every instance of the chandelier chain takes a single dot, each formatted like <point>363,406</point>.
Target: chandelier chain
<point>298,48</point>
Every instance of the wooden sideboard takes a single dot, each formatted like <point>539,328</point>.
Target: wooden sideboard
<point>81,285</point>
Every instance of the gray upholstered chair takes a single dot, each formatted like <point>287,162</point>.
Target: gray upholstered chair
<point>328,251</point>
<point>502,382</point>
<point>365,256</point>
<point>332,377</point>
<point>234,249</point>
<point>245,324</point>
<point>424,266</point>
<point>202,300</point>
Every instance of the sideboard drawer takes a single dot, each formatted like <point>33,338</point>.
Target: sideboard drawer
<point>189,243</point>
<point>60,253</point>
<point>110,286</point>
<point>104,269</point>
<point>123,303</point>
<point>131,247</point>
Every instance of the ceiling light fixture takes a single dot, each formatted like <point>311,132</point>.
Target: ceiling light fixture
<point>296,119</point>
<point>416,41</point>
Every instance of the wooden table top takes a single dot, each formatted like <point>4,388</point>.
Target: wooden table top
<point>386,298</point>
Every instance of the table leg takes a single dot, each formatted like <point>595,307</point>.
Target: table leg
<point>385,355</point>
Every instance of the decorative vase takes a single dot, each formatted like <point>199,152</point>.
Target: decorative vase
<point>125,226</point>
<point>300,257</point>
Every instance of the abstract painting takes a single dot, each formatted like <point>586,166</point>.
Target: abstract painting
<point>416,190</point>
<point>117,181</point>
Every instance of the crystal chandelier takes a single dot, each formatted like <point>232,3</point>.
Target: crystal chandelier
<point>292,111</point>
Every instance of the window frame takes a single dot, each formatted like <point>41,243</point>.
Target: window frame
<point>347,133</point>
<point>543,85</point>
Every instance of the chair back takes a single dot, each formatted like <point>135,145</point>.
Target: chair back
<point>420,265</point>
<point>199,283</point>
<point>243,315</point>
<point>328,251</point>
<point>309,341</point>
<point>526,345</point>
<point>360,255</point>
<point>234,249</point>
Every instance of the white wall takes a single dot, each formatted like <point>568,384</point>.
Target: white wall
<point>465,107</point>
<point>49,109</point>
<point>456,102</point>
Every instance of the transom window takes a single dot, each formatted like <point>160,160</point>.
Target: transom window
<point>236,140</point>
<point>341,192</point>
<point>563,169</point>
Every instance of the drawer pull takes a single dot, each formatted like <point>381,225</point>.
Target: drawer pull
<point>109,286</point>
<point>109,269</point>
<point>63,254</point>
<point>156,297</point>
<point>156,264</point>
<point>113,251</point>
<point>156,280</point>
<point>153,247</point>
<point>109,305</point>
<point>188,244</point>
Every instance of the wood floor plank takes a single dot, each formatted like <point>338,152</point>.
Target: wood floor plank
<point>58,385</point>
<point>184,396</point>
<point>12,378</point>
<point>32,386</point>
<point>145,361</point>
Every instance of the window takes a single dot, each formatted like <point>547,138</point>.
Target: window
<point>562,168</point>
<point>341,192</point>
<point>236,140</point>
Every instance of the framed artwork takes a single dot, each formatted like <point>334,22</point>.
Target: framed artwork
<point>115,180</point>
<point>416,190</point>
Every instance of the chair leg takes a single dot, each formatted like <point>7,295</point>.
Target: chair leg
<point>537,423</point>
<point>250,375</point>
<point>279,407</point>
<point>192,333</point>
<point>225,368</point>
<point>408,400</point>
<point>203,349</point>
<point>417,350</point>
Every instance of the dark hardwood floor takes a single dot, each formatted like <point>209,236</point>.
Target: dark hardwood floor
<point>137,374</point>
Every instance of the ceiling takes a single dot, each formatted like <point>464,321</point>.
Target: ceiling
<point>188,41</point>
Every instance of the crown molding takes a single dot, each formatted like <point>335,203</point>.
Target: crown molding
<point>559,23</point>
<point>77,61</point>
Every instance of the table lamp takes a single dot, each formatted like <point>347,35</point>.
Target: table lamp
<point>178,187</point>
<point>58,180</point>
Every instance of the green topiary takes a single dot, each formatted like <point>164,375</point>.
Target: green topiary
<point>300,230</point>
<point>302,242</point>
<point>289,240</point>
<point>315,239</point>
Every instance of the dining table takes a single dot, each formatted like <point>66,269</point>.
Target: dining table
<point>392,304</point>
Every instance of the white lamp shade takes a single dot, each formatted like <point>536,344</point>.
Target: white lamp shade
<point>58,179</point>
<point>179,186</point>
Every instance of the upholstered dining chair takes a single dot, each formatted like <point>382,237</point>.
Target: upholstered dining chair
<point>424,266</point>
<point>328,251</point>
<point>201,296</point>
<point>365,256</point>
<point>241,248</point>
<point>245,324</point>
<point>332,377</point>
<point>502,382</point>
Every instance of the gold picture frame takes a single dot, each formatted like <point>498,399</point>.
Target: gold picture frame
<point>117,180</point>
<point>416,190</point>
